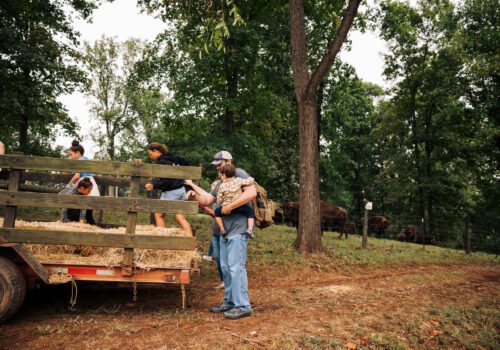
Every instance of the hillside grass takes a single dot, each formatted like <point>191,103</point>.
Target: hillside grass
<point>273,260</point>
<point>274,246</point>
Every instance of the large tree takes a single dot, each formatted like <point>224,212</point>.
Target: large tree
<point>306,93</point>
<point>110,65</point>
<point>38,63</point>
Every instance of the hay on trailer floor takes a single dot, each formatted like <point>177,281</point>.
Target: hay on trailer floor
<point>86,255</point>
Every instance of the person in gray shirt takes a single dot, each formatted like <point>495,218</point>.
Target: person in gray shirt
<point>233,247</point>
<point>83,188</point>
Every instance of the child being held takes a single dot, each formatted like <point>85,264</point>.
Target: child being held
<point>230,190</point>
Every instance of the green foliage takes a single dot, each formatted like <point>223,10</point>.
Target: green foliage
<point>348,149</point>
<point>118,103</point>
<point>38,63</point>
<point>430,129</point>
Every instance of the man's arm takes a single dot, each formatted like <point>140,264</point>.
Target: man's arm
<point>249,193</point>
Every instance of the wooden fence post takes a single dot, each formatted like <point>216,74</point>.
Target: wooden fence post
<point>10,213</point>
<point>128,257</point>
<point>364,241</point>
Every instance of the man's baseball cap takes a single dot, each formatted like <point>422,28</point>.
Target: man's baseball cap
<point>220,156</point>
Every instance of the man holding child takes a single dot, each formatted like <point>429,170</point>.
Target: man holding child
<point>233,246</point>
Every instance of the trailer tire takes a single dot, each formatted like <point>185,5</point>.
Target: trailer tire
<point>12,288</point>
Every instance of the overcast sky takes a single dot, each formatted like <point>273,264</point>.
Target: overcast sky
<point>122,19</point>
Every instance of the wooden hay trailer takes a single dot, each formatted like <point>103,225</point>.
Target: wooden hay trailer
<point>19,269</point>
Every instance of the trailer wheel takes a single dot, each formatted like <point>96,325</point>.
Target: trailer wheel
<point>12,288</point>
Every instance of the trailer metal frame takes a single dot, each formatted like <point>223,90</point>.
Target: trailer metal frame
<point>12,239</point>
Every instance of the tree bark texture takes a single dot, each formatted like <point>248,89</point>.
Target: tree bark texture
<point>306,93</point>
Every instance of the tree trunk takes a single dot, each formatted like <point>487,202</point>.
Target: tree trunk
<point>321,93</point>
<point>306,93</point>
<point>309,233</point>
<point>23,131</point>
<point>416,154</point>
<point>232,72</point>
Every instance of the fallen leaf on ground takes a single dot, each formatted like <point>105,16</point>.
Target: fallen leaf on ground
<point>351,346</point>
<point>436,332</point>
<point>365,340</point>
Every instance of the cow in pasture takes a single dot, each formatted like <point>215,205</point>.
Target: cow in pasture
<point>377,225</point>
<point>291,214</point>
<point>333,218</point>
<point>413,234</point>
<point>278,217</point>
<point>349,229</point>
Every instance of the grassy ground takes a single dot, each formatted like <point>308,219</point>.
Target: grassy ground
<point>392,295</point>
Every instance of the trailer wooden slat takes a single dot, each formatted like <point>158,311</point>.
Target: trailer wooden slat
<point>99,167</point>
<point>97,239</point>
<point>51,200</point>
<point>102,180</point>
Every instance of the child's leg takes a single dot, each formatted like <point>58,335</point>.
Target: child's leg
<point>181,220</point>
<point>251,222</point>
<point>250,214</point>
<point>160,222</point>
<point>218,219</point>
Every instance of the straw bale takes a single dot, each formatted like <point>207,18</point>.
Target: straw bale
<point>70,254</point>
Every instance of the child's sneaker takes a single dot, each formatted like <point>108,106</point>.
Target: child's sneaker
<point>250,234</point>
<point>207,257</point>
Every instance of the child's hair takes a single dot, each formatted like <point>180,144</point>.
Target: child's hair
<point>76,147</point>
<point>228,169</point>
<point>85,183</point>
<point>156,146</point>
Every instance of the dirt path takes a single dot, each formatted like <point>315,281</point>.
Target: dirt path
<point>310,309</point>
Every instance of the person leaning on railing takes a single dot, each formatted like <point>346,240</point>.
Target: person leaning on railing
<point>76,152</point>
<point>83,188</point>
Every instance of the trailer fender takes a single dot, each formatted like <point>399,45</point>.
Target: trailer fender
<point>18,253</point>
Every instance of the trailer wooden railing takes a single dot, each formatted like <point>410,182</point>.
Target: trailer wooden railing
<point>12,198</point>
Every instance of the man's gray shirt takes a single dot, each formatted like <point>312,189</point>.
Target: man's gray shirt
<point>234,223</point>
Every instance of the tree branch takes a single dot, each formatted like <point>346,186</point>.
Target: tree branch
<point>333,46</point>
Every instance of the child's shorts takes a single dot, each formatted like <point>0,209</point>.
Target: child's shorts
<point>178,194</point>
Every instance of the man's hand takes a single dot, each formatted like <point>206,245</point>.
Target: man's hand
<point>189,182</point>
<point>149,187</point>
<point>226,210</point>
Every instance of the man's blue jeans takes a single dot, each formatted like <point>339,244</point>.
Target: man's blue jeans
<point>215,244</point>
<point>233,258</point>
